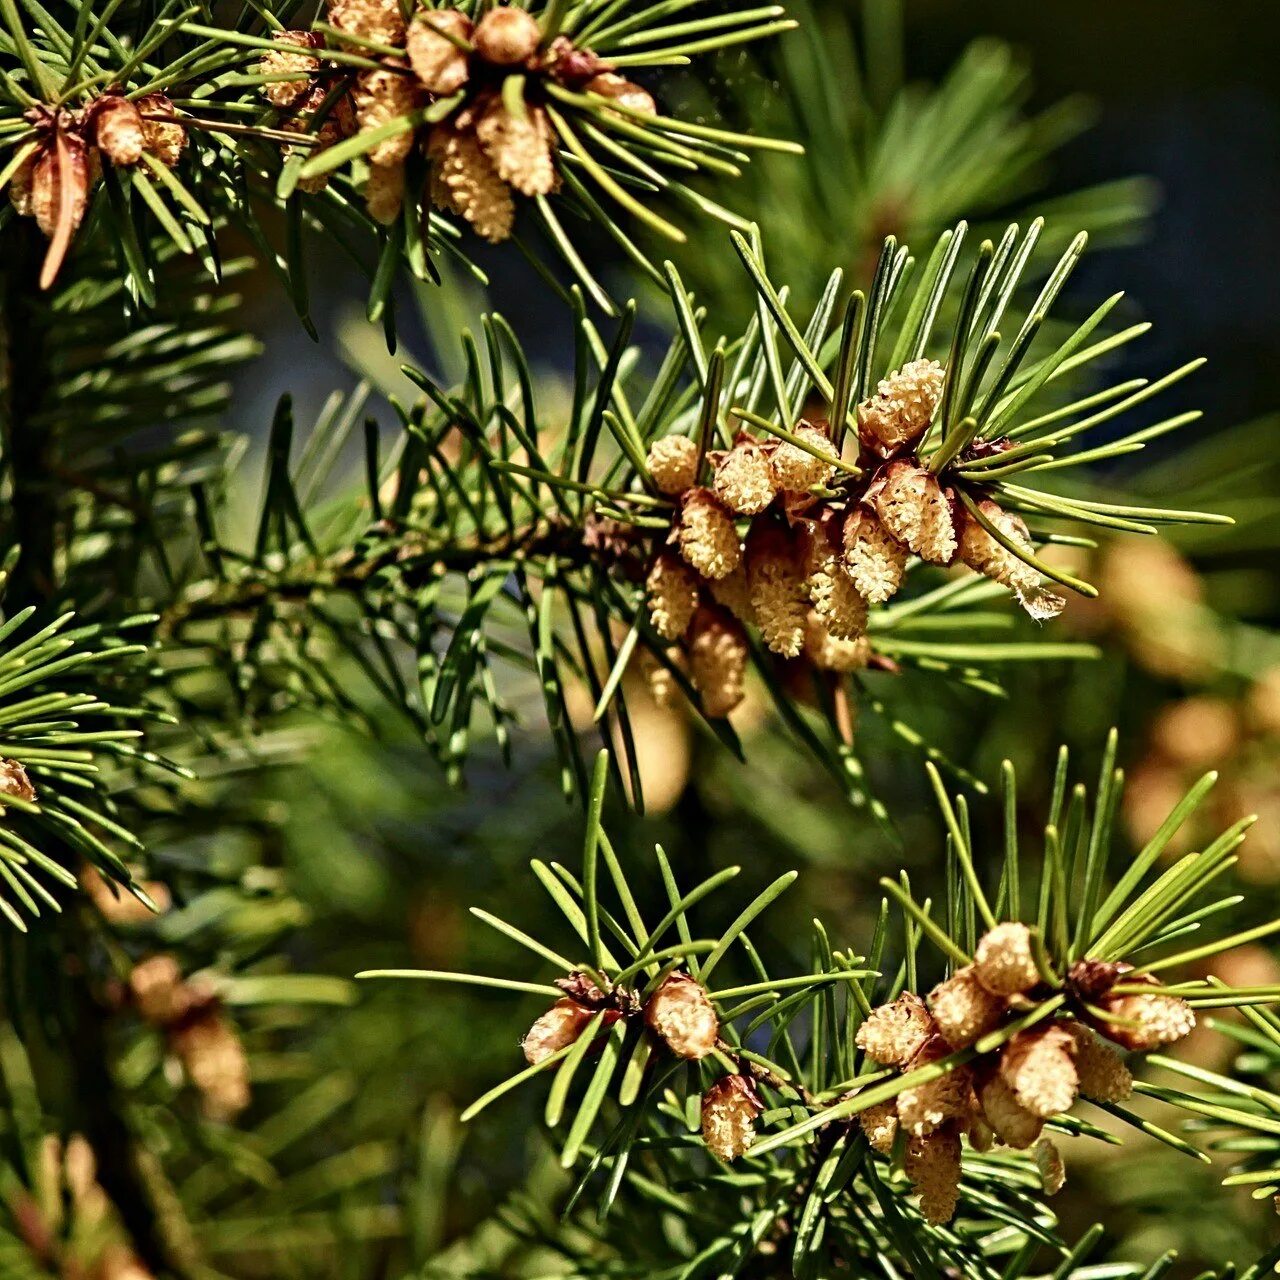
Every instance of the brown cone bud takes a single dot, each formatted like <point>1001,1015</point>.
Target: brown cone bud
<point>672,591</point>
<point>794,468</point>
<point>441,66</point>
<point>507,37</point>
<point>118,130</point>
<point>384,192</point>
<point>556,1029</point>
<point>464,181</point>
<point>830,653</point>
<point>729,1110</point>
<point>681,1015</point>
<point>625,93</point>
<point>381,21</point>
<point>901,409</point>
<point>718,660</point>
<point>914,510</point>
<point>1013,1124</point>
<point>1039,1066</point>
<point>894,1033</point>
<point>880,1124</point>
<point>835,598</point>
<point>734,593</point>
<point>379,98</point>
<point>673,464</point>
<point>932,1162</point>
<point>14,782</point>
<point>964,1009</point>
<point>165,139</point>
<point>1053,1173</point>
<point>708,537</point>
<point>1004,962</point>
<point>61,165</point>
<point>923,1108</point>
<point>1144,1022</point>
<point>875,559</point>
<point>519,147</point>
<point>663,687</point>
<point>1103,1074</point>
<point>985,555</point>
<point>157,989</point>
<point>776,582</point>
<point>291,58</point>
<point>214,1059</point>
<point>744,480</point>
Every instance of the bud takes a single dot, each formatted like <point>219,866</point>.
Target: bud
<point>880,1124</point>
<point>1103,1074</point>
<point>1004,962</point>
<point>1039,1066</point>
<point>384,192</point>
<point>672,590</point>
<point>729,1110</point>
<point>507,37</point>
<point>624,92</point>
<point>61,163</point>
<point>718,661</point>
<point>743,479</point>
<point>734,592</point>
<point>556,1029</point>
<point>1053,1173</point>
<point>118,129</point>
<point>983,554</point>
<point>339,122</point>
<point>158,991</point>
<point>875,559</point>
<point>828,652</point>
<point>464,181</point>
<point>964,1009</point>
<point>982,1136</point>
<point>776,581</point>
<point>381,21</point>
<point>1143,1021</point>
<point>164,139</point>
<point>913,508</point>
<point>14,782</point>
<point>520,147</point>
<point>290,59</point>
<point>707,535</point>
<point>214,1059</point>
<point>441,67</point>
<point>673,464</point>
<point>902,407</point>
<point>835,598</point>
<point>1013,1124</point>
<point>381,97</point>
<point>795,469</point>
<point>926,1107</point>
<point>663,688</point>
<point>681,1015</point>
<point>894,1033</point>
<point>932,1162</point>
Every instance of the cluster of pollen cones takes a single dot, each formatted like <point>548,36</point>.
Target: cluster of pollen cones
<point>814,558</point>
<point>495,137</point>
<point>1008,1094</point>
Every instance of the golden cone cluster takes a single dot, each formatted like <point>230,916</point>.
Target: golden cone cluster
<point>913,509</point>
<point>1007,1094</point>
<point>681,1015</point>
<point>876,560</point>
<point>729,1110</point>
<point>196,1031</point>
<point>487,145</point>
<point>788,578</point>
<point>54,183</point>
